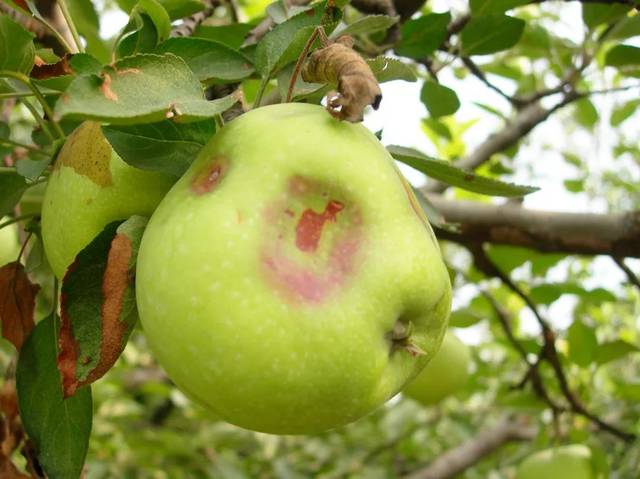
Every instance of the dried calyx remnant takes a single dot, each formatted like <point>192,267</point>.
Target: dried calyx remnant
<point>400,337</point>
<point>336,62</point>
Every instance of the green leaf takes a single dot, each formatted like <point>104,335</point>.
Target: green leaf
<point>59,428</point>
<point>583,343</point>
<point>212,62</point>
<point>148,26</point>
<point>479,7</point>
<point>491,33</point>
<point>594,14</point>
<point>420,37</point>
<point>614,350</point>
<point>12,185</point>
<point>623,55</point>
<point>285,42</point>
<point>447,173</point>
<point>439,100</point>
<point>624,112</point>
<point>32,169</point>
<point>139,36</point>
<point>586,113</point>
<point>367,25</point>
<point>175,8</point>
<point>389,69</point>
<point>16,46</point>
<point>628,27</point>
<point>87,22</point>
<point>98,305</point>
<point>166,146</point>
<point>550,292</point>
<point>145,88</point>
<point>464,318</point>
<point>232,35</point>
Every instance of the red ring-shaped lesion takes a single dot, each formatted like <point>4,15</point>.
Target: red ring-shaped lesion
<point>313,242</point>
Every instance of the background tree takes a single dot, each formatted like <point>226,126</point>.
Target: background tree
<point>515,91</point>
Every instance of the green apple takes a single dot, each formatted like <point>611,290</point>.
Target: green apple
<point>90,187</point>
<point>447,373</point>
<point>9,245</point>
<point>564,462</point>
<point>287,281</point>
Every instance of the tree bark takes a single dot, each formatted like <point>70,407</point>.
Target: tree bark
<point>615,234</point>
<point>456,460</point>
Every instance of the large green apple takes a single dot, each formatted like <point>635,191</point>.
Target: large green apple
<point>564,462</point>
<point>447,373</point>
<point>90,187</point>
<point>287,281</point>
<point>9,245</point>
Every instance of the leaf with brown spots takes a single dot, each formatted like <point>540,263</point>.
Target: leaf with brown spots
<point>97,304</point>
<point>42,70</point>
<point>17,303</point>
<point>337,63</point>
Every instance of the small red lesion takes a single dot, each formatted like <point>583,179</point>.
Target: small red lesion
<point>210,176</point>
<point>310,225</point>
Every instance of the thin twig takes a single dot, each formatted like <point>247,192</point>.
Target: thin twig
<point>549,352</point>
<point>631,276</point>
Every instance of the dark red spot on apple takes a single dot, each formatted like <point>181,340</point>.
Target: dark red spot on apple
<point>210,176</point>
<point>309,228</point>
<point>292,260</point>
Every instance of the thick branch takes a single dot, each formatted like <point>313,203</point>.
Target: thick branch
<point>458,459</point>
<point>616,234</point>
<point>189,24</point>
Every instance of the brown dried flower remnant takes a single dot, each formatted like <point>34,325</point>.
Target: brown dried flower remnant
<point>337,63</point>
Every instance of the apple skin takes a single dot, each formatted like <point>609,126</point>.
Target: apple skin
<point>447,373</point>
<point>270,278</point>
<point>9,245</point>
<point>565,462</point>
<point>90,187</point>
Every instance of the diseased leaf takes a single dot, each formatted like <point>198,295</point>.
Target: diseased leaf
<point>97,304</point>
<point>420,37</point>
<point>439,100</point>
<point>16,46</point>
<point>41,70</point>
<point>212,62</point>
<point>144,88</point>
<point>17,303</point>
<point>59,428</point>
<point>166,146</point>
<point>12,185</point>
<point>491,33</point>
<point>447,173</point>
